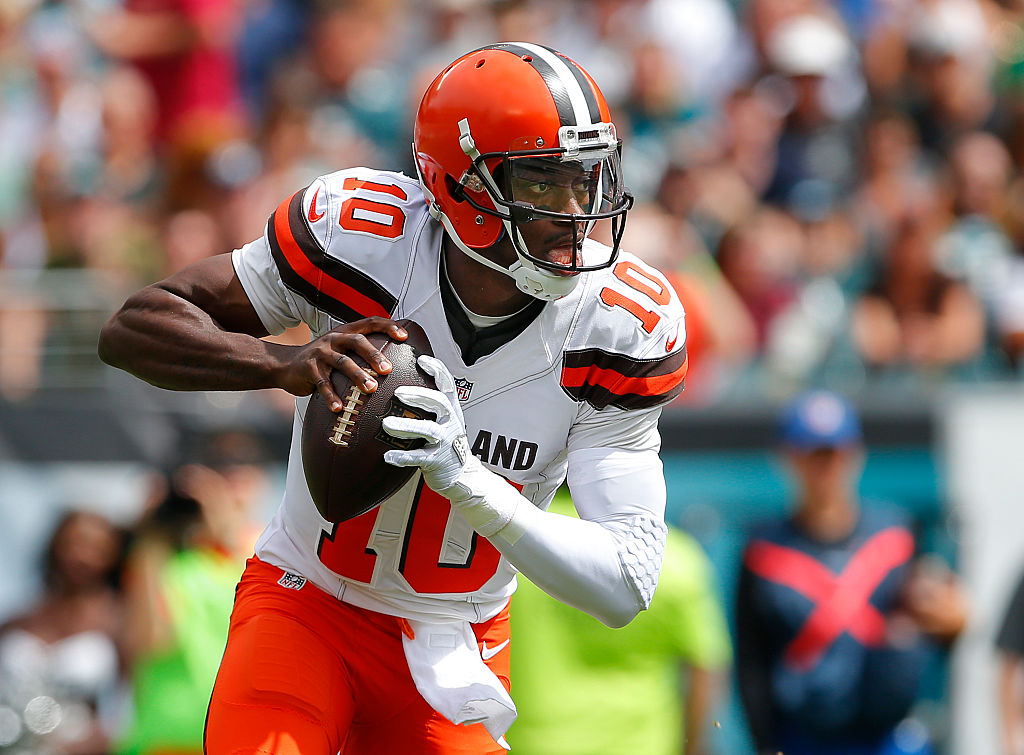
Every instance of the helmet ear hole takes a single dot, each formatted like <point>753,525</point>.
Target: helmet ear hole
<point>455,189</point>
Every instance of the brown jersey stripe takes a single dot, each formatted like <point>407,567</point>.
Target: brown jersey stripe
<point>603,379</point>
<point>324,281</point>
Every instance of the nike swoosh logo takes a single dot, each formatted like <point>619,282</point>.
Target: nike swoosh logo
<point>487,653</point>
<point>670,342</point>
<point>313,214</point>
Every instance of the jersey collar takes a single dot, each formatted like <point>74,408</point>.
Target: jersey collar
<point>475,343</point>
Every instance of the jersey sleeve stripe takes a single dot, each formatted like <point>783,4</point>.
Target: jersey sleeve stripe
<point>604,379</point>
<point>325,282</point>
<point>618,383</point>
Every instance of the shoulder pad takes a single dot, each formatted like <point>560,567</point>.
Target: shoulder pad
<point>628,348</point>
<point>343,243</point>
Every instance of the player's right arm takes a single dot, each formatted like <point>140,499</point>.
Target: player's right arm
<point>198,330</point>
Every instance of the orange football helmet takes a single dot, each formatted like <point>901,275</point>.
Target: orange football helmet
<point>511,133</point>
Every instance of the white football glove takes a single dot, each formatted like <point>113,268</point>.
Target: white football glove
<point>486,500</point>
<point>447,449</point>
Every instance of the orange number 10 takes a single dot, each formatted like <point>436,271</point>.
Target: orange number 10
<point>376,218</point>
<point>643,282</point>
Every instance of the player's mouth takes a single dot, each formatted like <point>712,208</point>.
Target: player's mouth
<point>563,253</point>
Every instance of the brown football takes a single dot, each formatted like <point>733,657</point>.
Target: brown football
<point>343,452</point>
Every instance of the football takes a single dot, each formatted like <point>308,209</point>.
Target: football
<point>343,452</point>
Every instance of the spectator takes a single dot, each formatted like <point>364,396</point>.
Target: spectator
<point>975,247</point>
<point>648,688</point>
<point>814,60</point>
<point>912,315</point>
<point>1010,691</point>
<point>751,124</point>
<point>182,570</point>
<point>186,51</point>
<point>951,65</point>
<point>835,622</point>
<point>185,48</point>
<point>716,187</point>
<point>60,660</point>
<point>760,258</point>
<point>361,90</point>
<point>893,168</point>
<point>271,34</point>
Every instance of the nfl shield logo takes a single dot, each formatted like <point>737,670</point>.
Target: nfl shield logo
<point>292,581</point>
<point>463,387</point>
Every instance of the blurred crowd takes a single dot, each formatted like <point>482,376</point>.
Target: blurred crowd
<point>835,187</point>
<point>119,649</point>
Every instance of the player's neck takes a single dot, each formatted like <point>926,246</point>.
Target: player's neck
<point>481,290</point>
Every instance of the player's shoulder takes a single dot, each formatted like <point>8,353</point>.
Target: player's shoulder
<point>627,347</point>
<point>345,241</point>
<point>376,207</point>
<point>386,186</point>
<point>363,203</point>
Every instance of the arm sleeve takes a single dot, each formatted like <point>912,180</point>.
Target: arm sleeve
<point>258,275</point>
<point>607,562</point>
<point>257,269</point>
<point>753,667</point>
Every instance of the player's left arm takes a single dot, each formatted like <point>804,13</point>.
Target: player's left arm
<point>605,563</point>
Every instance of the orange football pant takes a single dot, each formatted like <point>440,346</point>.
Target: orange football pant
<point>306,674</point>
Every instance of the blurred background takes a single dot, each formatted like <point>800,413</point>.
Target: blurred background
<point>835,187</point>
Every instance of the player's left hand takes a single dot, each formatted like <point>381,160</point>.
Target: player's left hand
<point>486,500</point>
<point>443,457</point>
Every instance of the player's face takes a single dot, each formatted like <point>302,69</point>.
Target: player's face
<point>550,240</point>
<point>570,189</point>
<point>557,187</point>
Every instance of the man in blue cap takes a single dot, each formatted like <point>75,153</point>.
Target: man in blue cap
<point>835,620</point>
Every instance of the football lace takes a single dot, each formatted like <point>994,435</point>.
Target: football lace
<point>342,429</point>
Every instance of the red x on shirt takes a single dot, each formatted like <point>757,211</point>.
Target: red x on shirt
<point>842,602</point>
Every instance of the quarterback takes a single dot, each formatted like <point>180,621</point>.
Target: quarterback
<point>554,353</point>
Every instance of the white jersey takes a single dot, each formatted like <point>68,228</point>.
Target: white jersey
<point>590,370</point>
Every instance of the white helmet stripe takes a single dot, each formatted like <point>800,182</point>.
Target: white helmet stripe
<point>577,96</point>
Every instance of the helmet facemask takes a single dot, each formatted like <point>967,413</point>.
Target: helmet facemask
<point>577,182</point>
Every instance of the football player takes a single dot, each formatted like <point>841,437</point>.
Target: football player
<point>554,355</point>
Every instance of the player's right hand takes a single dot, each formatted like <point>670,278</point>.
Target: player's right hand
<point>305,369</point>
<point>447,450</point>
